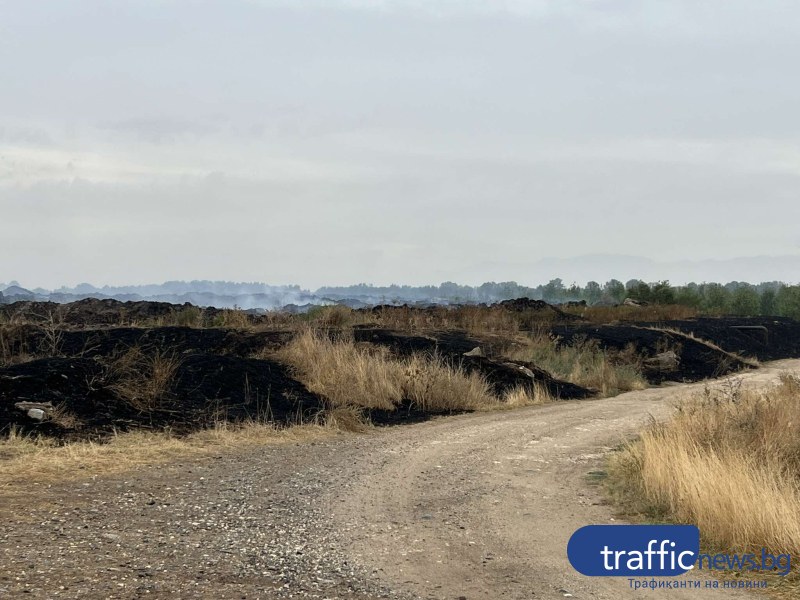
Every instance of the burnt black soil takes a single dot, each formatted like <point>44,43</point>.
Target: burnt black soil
<point>205,389</point>
<point>522,306</point>
<point>215,378</point>
<point>88,343</point>
<point>94,313</point>
<point>737,339</point>
<point>90,312</point>
<point>764,338</point>
<point>225,374</point>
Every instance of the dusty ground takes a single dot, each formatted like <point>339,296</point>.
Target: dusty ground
<point>476,506</point>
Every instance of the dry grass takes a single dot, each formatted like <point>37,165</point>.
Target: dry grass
<point>471,318</point>
<point>652,312</point>
<point>519,397</point>
<point>433,385</point>
<point>13,349</point>
<point>189,316</point>
<point>482,319</point>
<point>474,319</point>
<point>61,417</point>
<point>582,363</point>
<point>233,318</point>
<point>14,340</point>
<point>28,459</point>
<point>347,418</point>
<point>354,376</point>
<point>332,316</point>
<point>142,380</point>
<point>729,462</point>
<point>364,376</point>
<point>343,373</point>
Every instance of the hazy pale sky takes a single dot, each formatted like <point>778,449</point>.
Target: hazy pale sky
<point>334,142</point>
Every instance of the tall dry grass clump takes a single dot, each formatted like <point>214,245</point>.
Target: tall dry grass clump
<point>593,368</point>
<point>334,315</point>
<point>142,379</point>
<point>342,372</point>
<point>436,386</point>
<point>349,374</point>
<point>729,462</point>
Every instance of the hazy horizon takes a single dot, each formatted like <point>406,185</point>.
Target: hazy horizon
<point>577,270</point>
<point>394,141</point>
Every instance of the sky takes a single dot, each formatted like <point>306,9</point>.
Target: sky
<point>397,141</point>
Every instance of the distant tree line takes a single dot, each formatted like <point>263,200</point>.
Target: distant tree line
<point>772,298</point>
<point>740,298</point>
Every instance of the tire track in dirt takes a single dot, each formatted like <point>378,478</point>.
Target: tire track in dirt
<point>482,506</point>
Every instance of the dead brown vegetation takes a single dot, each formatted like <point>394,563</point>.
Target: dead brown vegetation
<point>365,376</point>
<point>13,349</point>
<point>728,462</point>
<point>31,459</point>
<point>473,319</point>
<point>13,341</point>
<point>651,312</point>
<point>142,379</point>
<point>583,362</point>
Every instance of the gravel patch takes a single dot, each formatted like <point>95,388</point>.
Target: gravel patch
<point>254,526</point>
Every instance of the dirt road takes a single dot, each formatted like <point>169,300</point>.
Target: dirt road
<point>477,506</point>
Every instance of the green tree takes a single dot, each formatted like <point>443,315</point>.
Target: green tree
<point>615,290</point>
<point>716,298</point>
<point>574,292</point>
<point>662,293</point>
<point>769,306</point>
<point>688,296</point>
<point>554,291</point>
<point>592,292</point>
<point>745,301</point>
<point>788,301</point>
<point>639,291</point>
